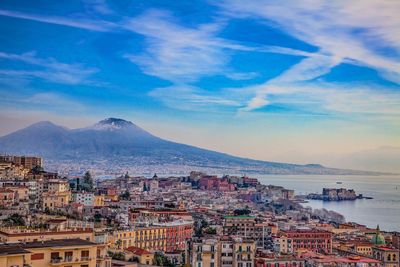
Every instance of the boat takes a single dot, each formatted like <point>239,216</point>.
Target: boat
<point>339,182</point>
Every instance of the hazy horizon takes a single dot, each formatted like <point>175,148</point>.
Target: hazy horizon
<point>358,160</point>
<point>309,86</point>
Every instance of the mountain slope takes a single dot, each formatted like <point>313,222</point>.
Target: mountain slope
<point>117,143</point>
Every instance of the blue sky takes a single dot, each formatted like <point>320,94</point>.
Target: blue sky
<point>289,81</point>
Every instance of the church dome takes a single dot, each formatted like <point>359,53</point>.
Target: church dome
<point>378,238</point>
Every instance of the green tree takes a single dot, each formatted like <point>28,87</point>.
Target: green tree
<point>161,260</point>
<point>210,231</point>
<point>97,217</point>
<point>37,170</point>
<point>87,182</point>
<point>125,195</point>
<point>14,220</point>
<point>118,256</point>
<point>239,212</point>
<point>118,243</point>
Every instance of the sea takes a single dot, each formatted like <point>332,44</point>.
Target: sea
<point>382,210</point>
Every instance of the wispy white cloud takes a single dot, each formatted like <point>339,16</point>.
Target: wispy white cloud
<point>48,69</point>
<point>98,6</point>
<point>46,101</point>
<point>172,52</point>
<point>185,54</point>
<point>54,100</point>
<point>361,102</point>
<point>178,53</point>
<point>334,100</point>
<point>192,98</point>
<point>75,22</point>
<point>345,31</point>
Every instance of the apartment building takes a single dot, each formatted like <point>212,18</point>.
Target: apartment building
<point>226,246</point>
<point>206,253</point>
<point>63,253</point>
<point>223,252</point>
<point>84,198</point>
<point>16,235</point>
<point>27,162</point>
<point>149,238</point>
<point>244,252</point>
<point>55,200</point>
<point>177,234</point>
<point>387,255</point>
<point>7,197</point>
<point>242,226</point>
<point>56,186</point>
<point>290,241</point>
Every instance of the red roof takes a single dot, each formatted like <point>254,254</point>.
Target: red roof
<point>138,251</point>
<point>6,190</point>
<point>385,248</point>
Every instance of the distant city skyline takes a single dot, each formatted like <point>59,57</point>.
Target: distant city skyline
<point>298,82</point>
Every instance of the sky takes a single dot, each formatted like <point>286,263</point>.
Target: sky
<point>291,81</point>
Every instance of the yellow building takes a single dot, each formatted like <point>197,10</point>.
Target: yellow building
<point>15,235</point>
<point>21,192</point>
<point>57,186</point>
<point>365,249</point>
<point>206,253</point>
<point>56,200</point>
<point>111,197</point>
<point>244,252</point>
<point>98,201</point>
<point>149,238</point>
<point>358,247</point>
<point>62,253</point>
<point>13,256</point>
<point>388,256</point>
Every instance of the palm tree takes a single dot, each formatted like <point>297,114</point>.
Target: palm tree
<point>118,243</point>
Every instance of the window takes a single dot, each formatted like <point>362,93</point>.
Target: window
<point>85,254</point>
<point>68,256</point>
<point>54,255</point>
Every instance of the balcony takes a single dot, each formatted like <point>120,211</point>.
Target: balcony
<point>61,261</point>
<point>103,257</point>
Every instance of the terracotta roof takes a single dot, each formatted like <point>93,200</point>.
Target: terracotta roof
<point>138,251</point>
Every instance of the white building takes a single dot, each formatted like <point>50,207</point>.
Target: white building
<point>84,198</point>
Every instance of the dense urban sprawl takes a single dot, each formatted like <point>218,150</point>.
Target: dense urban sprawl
<point>196,220</point>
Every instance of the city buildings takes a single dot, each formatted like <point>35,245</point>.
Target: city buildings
<point>63,252</point>
<point>291,241</point>
<point>196,220</point>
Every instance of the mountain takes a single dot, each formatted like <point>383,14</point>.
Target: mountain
<point>116,144</point>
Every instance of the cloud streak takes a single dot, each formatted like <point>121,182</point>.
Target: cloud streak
<point>80,23</point>
<point>49,69</point>
<point>349,33</point>
<point>182,54</point>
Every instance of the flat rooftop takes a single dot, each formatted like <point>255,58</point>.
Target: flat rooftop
<point>76,242</point>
